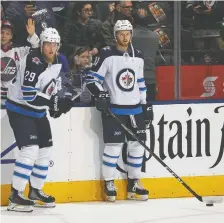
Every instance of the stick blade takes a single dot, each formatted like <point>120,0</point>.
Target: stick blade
<point>212,199</point>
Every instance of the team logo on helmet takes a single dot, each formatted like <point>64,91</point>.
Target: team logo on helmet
<point>8,69</point>
<point>126,79</point>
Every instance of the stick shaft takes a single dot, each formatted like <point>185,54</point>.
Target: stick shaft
<point>155,156</point>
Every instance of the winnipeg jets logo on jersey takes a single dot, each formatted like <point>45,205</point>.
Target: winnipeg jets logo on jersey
<point>126,79</point>
<point>36,60</point>
<point>8,69</point>
<point>121,76</point>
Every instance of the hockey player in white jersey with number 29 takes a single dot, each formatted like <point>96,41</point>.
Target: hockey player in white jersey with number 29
<point>30,95</point>
<point>118,70</point>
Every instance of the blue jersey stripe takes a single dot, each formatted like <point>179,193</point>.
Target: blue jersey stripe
<point>29,89</point>
<point>143,88</point>
<point>127,111</point>
<point>29,98</point>
<point>91,81</point>
<point>23,111</point>
<point>140,80</point>
<point>96,75</point>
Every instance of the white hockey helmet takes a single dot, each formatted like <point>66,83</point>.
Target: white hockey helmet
<point>50,35</point>
<point>122,25</point>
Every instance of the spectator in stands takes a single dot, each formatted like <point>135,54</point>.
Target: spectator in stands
<point>205,14</point>
<point>2,13</point>
<point>80,64</point>
<point>122,11</point>
<point>156,13</point>
<point>111,6</point>
<point>11,55</point>
<point>80,59</point>
<point>40,11</point>
<point>63,60</point>
<point>217,49</point>
<point>147,42</point>
<point>103,10</point>
<point>83,31</point>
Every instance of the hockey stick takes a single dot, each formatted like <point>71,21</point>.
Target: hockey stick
<point>85,97</point>
<point>74,89</point>
<point>209,200</point>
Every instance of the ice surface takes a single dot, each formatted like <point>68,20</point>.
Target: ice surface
<point>187,210</point>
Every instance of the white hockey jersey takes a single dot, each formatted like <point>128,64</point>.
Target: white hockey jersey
<point>36,81</point>
<point>121,74</point>
<point>10,59</point>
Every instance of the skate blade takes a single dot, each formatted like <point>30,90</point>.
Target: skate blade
<point>19,208</point>
<point>40,204</point>
<point>137,197</point>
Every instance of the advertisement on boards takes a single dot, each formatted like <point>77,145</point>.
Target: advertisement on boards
<point>188,137</point>
<point>197,82</point>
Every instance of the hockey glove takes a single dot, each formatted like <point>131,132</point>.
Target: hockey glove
<point>62,105</point>
<point>148,114</point>
<point>102,101</point>
<point>55,114</point>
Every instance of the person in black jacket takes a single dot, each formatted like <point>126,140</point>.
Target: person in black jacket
<point>82,31</point>
<point>19,12</point>
<point>122,11</point>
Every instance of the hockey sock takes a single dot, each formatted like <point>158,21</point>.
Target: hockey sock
<point>23,166</point>
<point>40,169</point>
<point>134,160</point>
<point>110,156</point>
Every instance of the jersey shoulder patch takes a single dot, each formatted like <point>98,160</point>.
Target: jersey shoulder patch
<point>106,52</point>
<point>35,63</point>
<point>102,55</point>
<point>106,48</point>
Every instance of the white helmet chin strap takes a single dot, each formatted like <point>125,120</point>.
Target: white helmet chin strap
<point>133,52</point>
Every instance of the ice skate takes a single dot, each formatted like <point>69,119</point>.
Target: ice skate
<point>41,199</point>
<point>110,190</point>
<point>19,203</point>
<point>136,191</point>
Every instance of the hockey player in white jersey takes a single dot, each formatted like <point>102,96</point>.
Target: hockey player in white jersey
<point>30,95</point>
<point>118,70</point>
<point>11,55</point>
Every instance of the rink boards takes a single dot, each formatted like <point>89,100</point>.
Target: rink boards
<point>189,138</point>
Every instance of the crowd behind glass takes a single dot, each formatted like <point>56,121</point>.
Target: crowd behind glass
<point>86,27</point>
